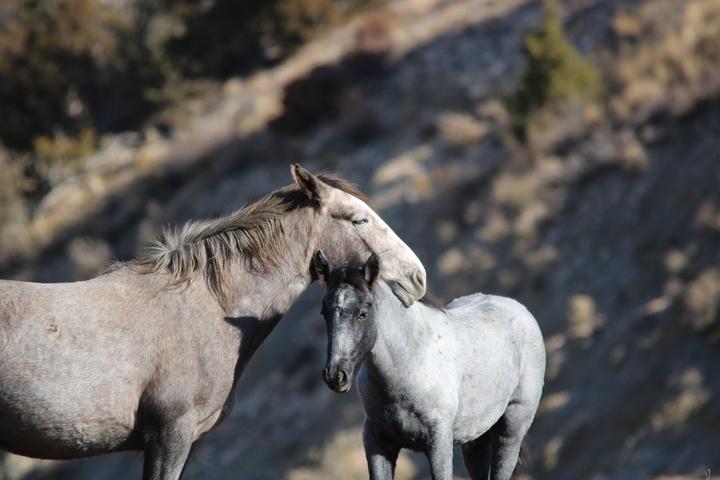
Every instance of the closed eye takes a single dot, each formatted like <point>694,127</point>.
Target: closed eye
<point>359,221</point>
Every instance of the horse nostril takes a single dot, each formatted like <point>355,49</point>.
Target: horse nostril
<point>342,377</point>
<point>420,278</point>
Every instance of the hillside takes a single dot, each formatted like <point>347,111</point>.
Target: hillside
<point>606,224</point>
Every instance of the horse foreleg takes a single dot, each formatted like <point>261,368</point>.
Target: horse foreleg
<point>166,450</point>
<point>381,457</point>
<point>440,454</point>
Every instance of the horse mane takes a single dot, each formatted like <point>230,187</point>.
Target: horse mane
<point>255,232</point>
<point>432,302</point>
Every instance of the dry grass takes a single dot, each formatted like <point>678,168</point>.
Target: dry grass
<point>515,190</point>
<point>692,396</point>
<point>90,256</point>
<point>670,58</point>
<point>343,456</point>
<point>494,228</point>
<point>451,262</point>
<point>631,155</point>
<point>15,467</point>
<point>538,261</point>
<point>404,177</point>
<point>529,220</point>
<point>555,348</point>
<point>702,299</point>
<point>554,401</point>
<point>676,260</point>
<point>583,317</point>
<point>59,156</point>
<point>708,216</point>
<point>555,124</point>
<point>461,128</point>
<point>13,184</point>
<point>551,452</point>
<point>446,230</point>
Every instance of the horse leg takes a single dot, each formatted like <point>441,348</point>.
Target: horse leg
<point>166,450</point>
<point>440,454</point>
<point>381,456</point>
<point>510,431</point>
<point>477,456</point>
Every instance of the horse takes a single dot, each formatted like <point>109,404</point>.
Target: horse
<point>147,356</point>
<point>470,374</point>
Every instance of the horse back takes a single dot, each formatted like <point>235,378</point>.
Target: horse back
<point>498,330</point>
<point>503,312</point>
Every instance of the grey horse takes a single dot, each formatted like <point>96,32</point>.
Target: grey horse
<point>147,356</point>
<point>470,374</point>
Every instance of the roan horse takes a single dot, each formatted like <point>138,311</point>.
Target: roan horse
<point>147,356</point>
<point>469,375</point>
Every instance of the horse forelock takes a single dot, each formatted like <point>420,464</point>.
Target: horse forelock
<point>343,185</point>
<point>349,275</point>
<point>255,232</point>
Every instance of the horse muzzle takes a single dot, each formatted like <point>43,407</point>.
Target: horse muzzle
<point>338,378</point>
<point>410,288</point>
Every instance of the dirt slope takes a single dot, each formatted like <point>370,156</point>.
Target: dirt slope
<point>611,236</point>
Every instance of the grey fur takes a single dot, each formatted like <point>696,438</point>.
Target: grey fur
<point>471,374</point>
<point>146,357</point>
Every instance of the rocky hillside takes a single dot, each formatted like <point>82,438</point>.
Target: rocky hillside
<point>605,222</point>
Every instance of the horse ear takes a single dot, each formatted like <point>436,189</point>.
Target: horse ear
<point>312,186</point>
<point>320,266</point>
<point>371,270</point>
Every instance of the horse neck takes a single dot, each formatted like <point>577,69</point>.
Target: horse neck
<point>257,294</point>
<point>269,293</point>
<point>400,334</point>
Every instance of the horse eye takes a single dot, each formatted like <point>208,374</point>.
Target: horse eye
<point>362,315</point>
<point>360,221</point>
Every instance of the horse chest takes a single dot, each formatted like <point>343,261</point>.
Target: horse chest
<point>401,422</point>
<point>398,413</point>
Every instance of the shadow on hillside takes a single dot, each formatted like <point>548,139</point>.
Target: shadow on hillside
<point>285,416</point>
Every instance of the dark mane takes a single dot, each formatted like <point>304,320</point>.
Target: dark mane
<point>349,275</point>
<point>255,232</point>
<point>433,302</point>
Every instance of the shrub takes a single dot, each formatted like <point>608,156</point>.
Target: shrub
<point>65,65</point>
<point>213,39</point>
<point>69,65</point>
<point>297,21</point>
<point>294,22</point>
<point>14,185</point>
<point>554,71</point>
<point>702,299</point>
<point>55,155</point>
<point>225,37</point>
<point>668,59</point>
